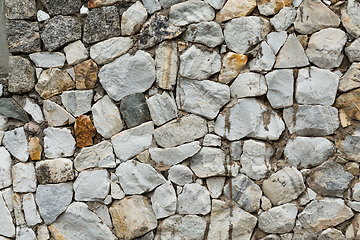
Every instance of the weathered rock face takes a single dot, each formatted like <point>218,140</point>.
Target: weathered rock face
<point>248,85</point>
<point>23,36</point>
<point>7,227</point>
<point>279,219</point>
<point>231,66</point>
<point>22,75</point>
<point>164,200</point>
<point>92,185</point>
<point>55,115</point>
<point>16,143</point>
<point>134,109</point>
<point>291,54</point>
<point>162,108</point>
<point>280,85</point>
<point>350,19</point>
<point>345,102</point>
<point>194,199</point>
<point>86,75</point>
<point>5,168</point>
<point>133,18</point>
<point>54,171</point>
<point>20,9</point>
<point>59,7</point>
<point>207,33</point>
<point>166,61</point>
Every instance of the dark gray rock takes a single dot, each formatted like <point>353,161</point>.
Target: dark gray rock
<point>350,146</point>
<point>101,23</point>
<point>21,75</point>
<point>156,30</point>
<point>23,36</point>
<point>20,9</point>
<point>59,31</point>
<point>9,108</point>
<point>63,7</point>
<point>134,109</point>
<point>329,179</point>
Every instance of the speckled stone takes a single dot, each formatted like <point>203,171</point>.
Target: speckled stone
<point>22,75</point>
<point>84,131</point>
<point>86,75</point>
<point>20,9</point>
<point>56,7</point>
<point>23,36</point>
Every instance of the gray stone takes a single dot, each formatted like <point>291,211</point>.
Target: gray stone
<point>55,115</point>
<point>349,147</point>
<point>23,36</point>
<point>350,18</point>
<point>151,5</point>
<point>5,168</point>
<point>77,102</point>
<point>198,64</point>
<point>60,7</point>
<point>76,52</point>
<point>54,171</point>
<point>331,234</point>
<point>248,85</point>
<point>276,40</point>
<point>7,226</point>
<point>20,9</point>
<point>133,18</point>
<point>134,109</point>
<point>280,85</point>
<point>264,59</point>
<point>164,200</point>
<point>304,152</point>
<point>194,199</point>
<point>115,190</point>
<point>162,108</point>
<point>31,108</point>
<point>31,214</point>
<point>350,80</point>
<point>103,214</point>
<point>204,98</point>
<point>180,175</point>
<point>48,59</point>
<point>284,19</point>
<point>58,142</point>
<point>242,33</point>
<point>24,179</point>
<point>25,233</point>
<point>217,4</point>
<point>16,143</point>
<point>353,51</point>
<point>9,108</point>
<point>215,186</point>
<point>207,33</point>
<point>236,149</point>
<point>128,74</point>
<point>311,120</point>
<point>168,3</point>
<point>92,185</point>
<point>291,54</point>
<point>212,140</point>
<point>59,31</point>
<point>278,219</point>
<point>166,59</point>
<point>21,75</point>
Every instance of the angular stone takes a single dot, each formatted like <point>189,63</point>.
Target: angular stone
<point>255,160</point>
<point>132,217</point>
<point>353,52</point>
<point>133,18</point>
<point>164,200</point>
<point>16,143</point>
<point>25,233</point>
<point>55,115</point>
<point>166,65</point>
<point>180,175</point>
<point>270,7</point>
<point>59,7</point>
<point>24,179</point>
<point>66,29</point>
<point>198,64</point>
<point>106,51</point>
<point>23,36</point>
<point>86,75</point>
<point>77,102</point>
<point>100,24</point>
<point>5,169</point>
<point>193,11</point>
<point>284,186</point>
<point>280,88</point>
<point>128,74</point>
<point>100,3</point>
<point>276,40</point>
<point>54,171</point>
<point>116,191</point>
<point>18,213</point>
<point>103,214</point>
<point>278,219</point>
<point>235,9</point>
<point>311,120</point>
<point>215,186</point>
<point>324,213</point>
<point>291,54</point>
<point>48,59</point>
<point>194,199</point>
<point>204,98</point>
<point>31,214</point>
<point>9,108</point>
<point>20,9</point>
<point>134,109</point>
<point>53,81</point>
<point>346,102</point>
<point>217,4</point>
<point>92,185</point>
<point>75,53</point>
<point>349,147</point>
<point>242,33</point>
<point>42,16</point>
<point>151,5</point>
<point>231,66</point>
<point>207,33</point>
<point>264,59</point>
<point>248,85</point>
<point>350,18</point>
<point>84,131</point>
<point>352,231</point>
<point>106,117</point>
<point>162,108</point>
<point>33,109</point>
<point>179,131</point>
<point>7,226</point>
<point>236,150</point>
<point>43,232</point>
<point>21,75</point>
<point>58,142</point>
<point>212,140</point>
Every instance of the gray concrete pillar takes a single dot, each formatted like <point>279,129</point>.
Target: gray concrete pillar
<point>4,52</point>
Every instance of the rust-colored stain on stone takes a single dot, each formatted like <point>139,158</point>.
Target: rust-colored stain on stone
<point>350,103</point>
<point>235,9</point>
<point>84,131</point>
<point>35,149</point>
<point>86,75</point>
<point>232,65</point>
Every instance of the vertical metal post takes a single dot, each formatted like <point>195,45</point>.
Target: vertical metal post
<point>4,51</point>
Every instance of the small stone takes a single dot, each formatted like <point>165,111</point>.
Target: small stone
<point>354,205</point>
<point>235,9</point>
<point>23,36</point>
<point>75,53</point>
<point>42,16</point>
<point>353,52</point>
<point>284,186</point>
<point>77,102</point>
<point>236,149</point>
<point>54,171</point>
<point>180,175</point>
<point>31,214</point>
<point>256,29</point>
<point>217,4</point>
<point>134,109</point>
<point>100,3</point>
<point>16,143</point>
<point>18,213</point>
<point>58,142</point>
<point>349,147</point>
<point>353,168</point>
<point>194,199</point>
<point>356,192</point>
<point>265,204</point>
<point>346,102</point>
<point>84,131</point>
<point>101,23</point>
<point>212,140</point>
<point>55,115</point>
<point>116,191</point>
<point>164,200</point>
<point>264,59</point>
<point>207,33</point>
<point>215,186</point>
<point>350,19</point>
<point>20,9</point>
<point>63,8</point>
<point>280,88</point>
<point>270,7</point>
<point>48,59</point>
<point>133,18</point>
<point>284,19</point>
<point>162,108</point>
<point>231,66</point>
<point>24,179</point>
<point>106,51</point>
<point>140,218</point>
<point>276,40</point>
<point>34,110</point>
<point>43,232</point>
<point>5,169</point>
<point>25,233</point>
<point>21,75</point>
<point>291,54</point>
<point>278,219</point>
<point>198,64</point>
<point>151,5</point>
<point>103,214</point>
<point>92,185</point>
<point>35,149</point>
<point>86,75</point>
<point>9,108</point>
<point>166,60</point>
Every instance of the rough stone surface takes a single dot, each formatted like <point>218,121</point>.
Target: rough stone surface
<point>55,115</point>
<point>22,75</point>
<point>350,19</point>
<point>86,75</point>
<point>231,66</point>
<point>162,108</point>
<point>284,19</point>
<point>279,219</point>
<point>180,175</point>
<point>7,227</point>
<point>100,3</point>
<point>76,52</point>
<point>5,168</point>
<point>280,85</point>
<point>166,61</point>
<point>84,131</point>
<point>23,36</point>
<point>235,9</point>
<point>194,199</point>
<point>134,109</point>
<point>215,186</point>
<point>151,5</point>
<point>291,54</point>
<point>31,214</point>
<point>20,9</point>
<point>9,108</point>
<point>345,102</point>
<point>59,7</point>
<point>16,143</point>
<point>248,85</point>
<point>264,59</point>
<point>133,18</point>
<point>353,52</point>
<point>349,146</point>
<point>54,171</point>
<point>58,142</point>
<point>207,33</point>
<point>270,7</point>
<point>48,59</point>
<point>92,185</point>
<point>276,40</point>
<point>24,179</point>
<point>164,200</point>
<point>77,102</point>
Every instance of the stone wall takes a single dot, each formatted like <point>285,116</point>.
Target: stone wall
<point>171,119</point>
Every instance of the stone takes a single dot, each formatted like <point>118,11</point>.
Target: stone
<point>242,33</point>
<point>211,140</point>
<point>244,192</point>
<point>352,231</point>
<point>17,207</point>
<point>58,142</point>
<point>43,232</point>
<point>20,9</point>
<point>348,147</point>
<point>55,115</point>
<point>234,125</point>
<point>86,75</point>
<point>100,155</point>
<point>329,179</point>
<point>134,109</point>
<point>284,186</point>
<point>229,222</point>
<point>350,19</point>
<point>75,53</point>
<point>284,19</point>
<point>279,219</point>
<point>84,131</point>
<point>23,36</point>
<point>116,191</point>
<point>168,3</point>
<point>193,11</point>
<point>106,51</point>
<point>31,127</point>
<point>291,54</point>
<point>23,175</point>
<point>353,168</point>
<point>198,64</point>
<point>353,52</point>
<point>138,69</point>
<point>231,66</point>
<point>101,24</point>
<point>324,213</point>
<point>166,60</point>
<point>217,4</point>
<point>164,200</point>
<point>236,149</point>
<point>54,171</point>
<point>16,143</point>
<point>162,108</point>
<point>215,186</point>
<point>280,85</point>
<point>106,117</point>
<point>311,120</point>
<point>276,40</point>
<point>9,108</point>
<point>270,7</point>
<point>174,155</point>
<point>7,226</point>
<point>34,110</point>
<point>92,185</point>
<point>53,81</point>
<point>311,88</point>
<point>60,7</point>
<point>265,204</point>
<point>21,75</point>
<point>264,59</point>
<point>204,98</point>
<point>48,59</point>
<point>194,199</point>
<point>235,9</point>
<point>31,214</point>
<point>255,160</point>
<point>25,233</point>
<point>356,192</point>
<point>103,214</point>
<point>180,175</point>
<point>346,102</point>
<point>77,102</point>
<point>140,218</point>
<point>151,5</point>
<point>133,18</point>
<point>42,16</point>
<point>207,33</point>
<point>66,29</point>
<point>5,168</point>
<point>100,3</point>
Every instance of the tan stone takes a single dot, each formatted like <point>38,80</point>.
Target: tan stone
<point>287,3</point>
<point>100,3</point>
<point>232,65</point>
<point>86,75</point>
<point>353,168</point>
<point>350,103</point>
<point>144,156</point>
<point>235,9</point>
<point>351,78</point>
<point>84,131</point>
<point>35,149</point>
<point>270,7</point>
<point>344,119</point>
<point>182,46</point>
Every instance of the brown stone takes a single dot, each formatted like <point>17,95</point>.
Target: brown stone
<point>84,131</point>
<point>86,75</point>
<point>303,39</point>
<point>235,9</point>
<point>31,127</point>
<point>288,3</point>
<point>270,7</point>
<point>232,65</point>
<point>350,103</point>
<point>100,3</point>
<point>35,149</point>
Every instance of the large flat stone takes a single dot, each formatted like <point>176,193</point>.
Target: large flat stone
<point>55,115</point>
<point>291,54</point>
<point>194,199</point>
<point>92,185</point>
<point>207,33</point>
<point>280,88</point>
<point>58,142</point>
<point>279,219</point>
<point>162,108</point>
<point>77,102</point>
<point>9,108</point>
<point>164,200</point>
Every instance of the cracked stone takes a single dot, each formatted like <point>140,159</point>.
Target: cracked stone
<point>133,18</point>
<point>77,102</point>
<point>92,185</point>
<point>55,115</point>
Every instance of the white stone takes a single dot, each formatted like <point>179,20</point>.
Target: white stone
<point>291,54</point>
<point>48,59</point>
<point>166,59</point>
<point>236,150</point>
<point>350,18</point>
<point>199,65</point>
<point>92,185</point>
<point>217,4</point>
<point>180,175</point>
<point>350,79</point>
<point>194,199</point>
<point>296,3</point>
<point>279,219</point>
<point>24,179</point>
<point>19,215</point>
<point>356,192</point>
<point>116,191</point>
<point>352,51</point>
<point>103,214</point>
<point>54,171</point>
<point>55,115</point>
<point>280,88</point>
<point>8,194</point>
<point>76,52</point>
<point>248,85</point>
<point>34,110</point>
<point>207,33</point>
<point>276,40</point>
<point>77,102</point>
<point>215,186</point>
<point>128,74</point>
<point>162,108</point>
<point>133,18</point>
<point>164,200</point>
<point>71,73</point>
<point>284,19</point>
<point>106,51</point>
<point>25,233</point>
<point>137,178</point>
<point>151,5</point>
<point>264,59</point>
<point>331,233</point>
<point>84,10</point>
<point>212,140</point>
<point>7,228</point>
<point>265,204</point>
<point>16,143</point>
<point>58,142</point>
<point>43,232</point>
<point>5,168</point>
<point>31,214</point>
<point>42,16</point>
